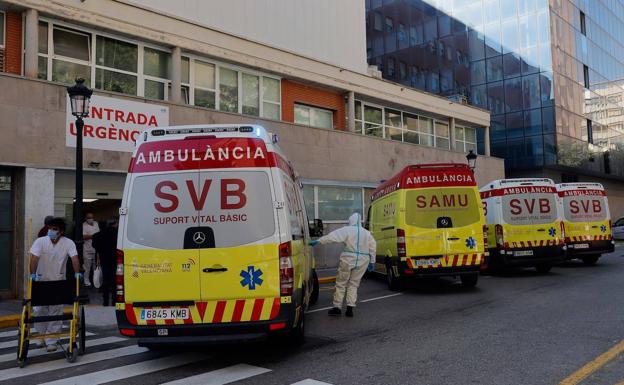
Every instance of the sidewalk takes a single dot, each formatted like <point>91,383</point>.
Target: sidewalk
<point>96,314</point>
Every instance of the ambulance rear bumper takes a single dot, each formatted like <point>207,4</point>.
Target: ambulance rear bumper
<point>581,248</point>
<point>207,334</point>
<point>408,272</point>
<point>526,257</point>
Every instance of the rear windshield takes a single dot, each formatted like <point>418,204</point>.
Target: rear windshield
<point>426,208</point>
<point>229,208</point>
<point>585,208</point>
<point>529,209</point>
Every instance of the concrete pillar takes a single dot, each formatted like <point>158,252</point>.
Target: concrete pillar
<point>351,111</point>
<point>176,76</point>
<point>486,140</point>
<point>38,203</point>
<point>451,123</point>
<point>31,43</point>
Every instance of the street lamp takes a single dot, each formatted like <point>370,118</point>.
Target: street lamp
<point>472,160</point>
<point>79,96</point>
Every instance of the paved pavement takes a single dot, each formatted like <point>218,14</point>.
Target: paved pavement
<point>520,328</point>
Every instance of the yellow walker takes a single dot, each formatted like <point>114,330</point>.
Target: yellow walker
<point>46,293</point>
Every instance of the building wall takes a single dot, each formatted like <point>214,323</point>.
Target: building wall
<point>293,92</point>
<point>13,38</point>
<point>292,25</point>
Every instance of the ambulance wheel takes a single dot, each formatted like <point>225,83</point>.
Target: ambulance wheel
<point>543,269</point>
<point>469,280</point>
<point>315,289</point>
<point>297,334</point>
<point>394,282</point>
<point>590,260</point>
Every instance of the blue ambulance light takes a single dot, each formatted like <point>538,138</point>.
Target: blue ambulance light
<point>275,138</point>
<point>258,131</point>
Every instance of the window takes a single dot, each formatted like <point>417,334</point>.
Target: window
<point>157,71</point>
<point>442,135</point>
<point>389,24</point>
<point>583,23</point>
<point>228,90</point>
<point>251,95</point>
<point>403,70</point>
<point>465,139</point>
<point>373,121</point>
<point>390,70</point>
<point>590,132</point>
<point>586,76</point>
<point>377,24</point>
<point>71,52</point>
<point>402,33</point>
<point>42,72</point>
<point>314,116</point>
<point>271,98</point>
<point>116,65</point>
<point>333,203</point>
<point>394,125</point>
<point>1,29</point>
<point>204,89</point>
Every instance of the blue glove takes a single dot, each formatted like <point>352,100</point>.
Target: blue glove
<point>78,276</point>
<point>33,277</point>
<point>314,242</point>
<point>371,267</point>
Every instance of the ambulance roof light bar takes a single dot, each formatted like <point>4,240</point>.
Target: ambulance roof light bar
<point>527,181</point>
<point>201,130</point>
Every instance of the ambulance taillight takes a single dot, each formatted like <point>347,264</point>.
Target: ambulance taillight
<point>119,278</point>
<point>485,237</point>
<point>401,249</point>
<point>286,269</point>
<point>500,239</point>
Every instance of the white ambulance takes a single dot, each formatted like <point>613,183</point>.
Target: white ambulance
<point>587,221</point>
<point>525,224</point>
<point>213,238</point>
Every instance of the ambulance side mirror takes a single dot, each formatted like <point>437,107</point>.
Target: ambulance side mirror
<point>316,229</point>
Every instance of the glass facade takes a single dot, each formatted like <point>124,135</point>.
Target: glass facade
<point>526,61</point>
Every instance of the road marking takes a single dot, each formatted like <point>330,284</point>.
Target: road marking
<point>594,365</point>
<point>13,333</point>
<point>62,363</point>
<point>363,301</point>
<point>42,351</point>
<point>310,381</point>
<point>382,297</point>
<point>221,376</point>
<point>127,371</point>
<point>13,343</point>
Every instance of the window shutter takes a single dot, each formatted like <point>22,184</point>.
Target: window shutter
<point>1,59</point>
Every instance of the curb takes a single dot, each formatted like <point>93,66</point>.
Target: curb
<point>8,321</point>
<point>327,279</point>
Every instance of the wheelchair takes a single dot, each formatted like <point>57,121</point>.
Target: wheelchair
<point>46,293</point>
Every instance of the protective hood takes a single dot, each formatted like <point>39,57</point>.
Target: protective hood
<point>354,219</point>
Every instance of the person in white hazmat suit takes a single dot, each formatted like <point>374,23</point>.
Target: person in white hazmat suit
<point>357,256</point>
<point>48,261</point>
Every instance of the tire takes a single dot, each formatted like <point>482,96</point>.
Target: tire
<point>543,269</point>
<point>296,336</point>
<point>71,357</point>
<point>590,260</point>
<point>314,296</point>
<point>469,280</point>
<point>82,334</point>
<point>394,282</point>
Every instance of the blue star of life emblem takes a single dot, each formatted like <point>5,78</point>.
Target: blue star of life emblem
<point>471,243</point>
<point>552,232</point>
<point>603,228</point>
<point>251,277</point>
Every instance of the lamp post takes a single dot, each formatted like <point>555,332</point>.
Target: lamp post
<point>472,160</point>
<point>79,96</point>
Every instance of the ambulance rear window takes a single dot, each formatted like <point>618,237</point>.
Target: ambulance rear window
<point>424,207</point>
<point>529,209</point>
<point>585,208</point>
<point>234,206</point>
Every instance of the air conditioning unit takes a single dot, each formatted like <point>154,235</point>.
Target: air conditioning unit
<point>459,98</point>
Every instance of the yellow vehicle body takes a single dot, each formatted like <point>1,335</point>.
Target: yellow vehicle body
<point>213,239</point>
<point>525,224</point>
<point>428,221</point>
<point>587,221</point>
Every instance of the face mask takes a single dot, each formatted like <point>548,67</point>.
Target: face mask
<point>90,221</point>
<point>53,234</point>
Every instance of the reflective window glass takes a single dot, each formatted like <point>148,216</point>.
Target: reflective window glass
<point>156,63</point>
<point>478,96</point>
<point>115,81</point>
<point>476,45</point>
<point>42,32</point>
<point>496,97</point>
<point>548,120</point>
<point>508,9</point>
<point>511,65</point>
<point>528,31</point>
<point>154,90</point>
<point>72,44</point>
<point>547,95</point>
<point>66,72</point>
<point>494,69</point>
<point>477,72</point>
<point>251,95</point>
<point>116,54</point>
<point>228,90</point>
<point>338,203</point>
<point>185,70</point>
<point>497,127</point>
<point>515,125</point>
<point>531,91</point>
<point>513,95</point>
<point>533,122</point>
<point>493,39</point>
<point>511,38</point>
<point>204,75</point>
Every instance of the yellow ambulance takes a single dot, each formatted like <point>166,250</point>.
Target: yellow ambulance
<point>428,221</point>
<point>525,224</point>
<point>587,221</point>
<point>213,238</point>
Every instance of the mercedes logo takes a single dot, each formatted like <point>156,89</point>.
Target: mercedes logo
<point>444,222</point>
<point>199,237</point>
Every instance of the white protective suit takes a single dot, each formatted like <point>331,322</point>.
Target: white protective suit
<point>360,250</point>
<point>88,252</point>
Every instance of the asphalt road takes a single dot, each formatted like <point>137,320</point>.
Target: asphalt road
<point>520,328</point>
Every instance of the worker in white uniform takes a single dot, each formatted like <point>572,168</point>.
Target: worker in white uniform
<point>357,256</point>
<point>48,262</point>
<point>89,228</point>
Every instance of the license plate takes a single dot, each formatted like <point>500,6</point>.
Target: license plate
<point>581,246</point>
<point>164,314</point>
<point>523,253</point>
<point>163,332</point>
<point>428,262</point>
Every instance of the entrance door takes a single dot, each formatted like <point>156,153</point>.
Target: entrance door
<point>6,229</point>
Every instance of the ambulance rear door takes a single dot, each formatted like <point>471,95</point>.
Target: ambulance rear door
<point>586,212</point>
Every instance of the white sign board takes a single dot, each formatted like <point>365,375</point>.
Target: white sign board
<point>114,124</point>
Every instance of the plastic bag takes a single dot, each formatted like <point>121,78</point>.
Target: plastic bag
<point>97,277</point>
